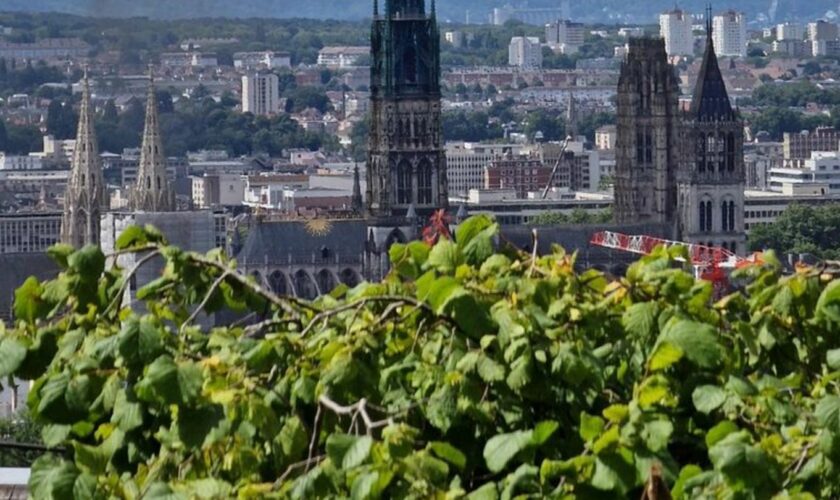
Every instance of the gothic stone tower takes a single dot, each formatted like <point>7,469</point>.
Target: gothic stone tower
<point>84,198</point>
<point>406,160</point>
<point>712,175</point>
<point>152,192</point>
<point>647,153</point>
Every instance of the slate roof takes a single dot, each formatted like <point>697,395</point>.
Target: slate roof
<point>278,241</point>
<point>711,101</point>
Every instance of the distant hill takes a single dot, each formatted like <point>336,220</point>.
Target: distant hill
<point>606,11</point>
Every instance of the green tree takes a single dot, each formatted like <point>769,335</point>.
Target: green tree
<point>465,371</point>
<point>801,229</point>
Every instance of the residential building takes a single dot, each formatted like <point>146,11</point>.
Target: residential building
<point>790,31</point>
<point>578,170</point>
<point>261,94</point>
<point>214,190</point>
<point>820,174</point>
<point>465,163</point>
<point>458,39</point>
<point>48,49</point>
<point>262,60</point>
<point>32,232</point>
<point>564,36</point>
<point>825,48</point>
<point>634,31</point>
<point>15,162</point>
<point>342,57</point>
<point>522,174</point>
<point>525,52</point>
<point>797,147</point>
<point>822,30</point>
<point>675,27</point>
<point>794,48</point>
<point>605,137</point>
<point>730,34</point>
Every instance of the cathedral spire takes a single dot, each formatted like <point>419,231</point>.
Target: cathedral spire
<point>152,192</point>
<point>710,101</point>
<point>84,196</point>
<point>356,201</point>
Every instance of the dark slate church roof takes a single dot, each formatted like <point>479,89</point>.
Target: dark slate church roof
<point>711,101</point>
<point>297,242</point>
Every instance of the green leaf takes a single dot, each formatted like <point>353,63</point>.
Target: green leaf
<point>445,257</point>
<point>127,415</point>
<point>89,263</point>
<point>828,413</point>
<point>470,228</point>
<point>717,433</point>
<point>590,427</point>
<point>29,305</point>
<point>487,492</point>
<point>132,237</point>
<point>442,291</point>
<point>828,305</point>
<point>639,319</point>
<point>94,459</point>
<point>489,370</point>
<point>363,486</point>
<point>501,449</point>
<point>348,451</point>
<point>708,398</point>
<point>698,341</point>
<point>60,253</point>
<point>665,355</point>
<point>745,465</point>
<point>833,359</point>
<point>616,413</point>
<point>12,354</point>
<point>190,380</point>
<point>543,431</point>
<point>52,478</point>
<point>475,239</point>
<point>449,453</point>
<point>657,434</point>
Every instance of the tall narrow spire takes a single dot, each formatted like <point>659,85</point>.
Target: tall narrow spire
<point>152,192</point>
<point>84,197</point>
<point>710,101</point>
<point>356,201</point>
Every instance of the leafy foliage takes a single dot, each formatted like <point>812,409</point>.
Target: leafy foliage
<point>464,372</point>
<point>801,229</point>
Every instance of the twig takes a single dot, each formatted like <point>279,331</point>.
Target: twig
<point>305,463</point>
<point>392,300</point>
<point>127,279</point>
<point>535,244</point>
<point>315,431</point>
<point>203,304</point>
<point>360,408</point>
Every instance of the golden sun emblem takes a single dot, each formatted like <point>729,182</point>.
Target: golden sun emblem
<point>318,227</point>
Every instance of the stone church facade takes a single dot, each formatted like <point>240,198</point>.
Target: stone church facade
<point>682,170</point>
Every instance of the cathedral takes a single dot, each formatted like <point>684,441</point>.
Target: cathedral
<point>406,160</point>
<point>683,170</point>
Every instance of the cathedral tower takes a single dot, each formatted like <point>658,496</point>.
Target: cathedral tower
<point>647,150</point>
<point>152,192</point>
<point>85,188</point>
<point>406,159</point>
<point>712,175</point>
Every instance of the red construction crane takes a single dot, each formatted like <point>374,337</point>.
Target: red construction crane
<point>710,263</point>
<point>438,228</point>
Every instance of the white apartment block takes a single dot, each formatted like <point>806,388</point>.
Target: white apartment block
<point>525,52</point>
<point>13,162</point>
<point>825,48</point>
<point>564,36</point>
<point>820,175</point>
<point>730,34</point>
<point>261,60</point>
<point>675,28</point>
<point>261,94</point>
<point>822,30</point>
<point>790,31</point>
<point>465,162</point>
<point>342,57</point>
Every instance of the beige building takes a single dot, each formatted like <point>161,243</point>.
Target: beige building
<point>261,94</point>
<point>465,162</point>
<point>730,34</point>
<point>675,28</point>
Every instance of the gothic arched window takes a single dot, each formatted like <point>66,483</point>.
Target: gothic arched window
<point>404,183</point>
<point>732,217</point>
<point>424,183</point>
<point>730,152</point>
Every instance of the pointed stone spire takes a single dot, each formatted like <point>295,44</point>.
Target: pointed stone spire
<point>152,192</point>
<point>356,202</point>
<point>710,101</point>
<point>84,197</point>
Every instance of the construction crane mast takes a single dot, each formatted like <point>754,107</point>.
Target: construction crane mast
<point>710,263</point>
